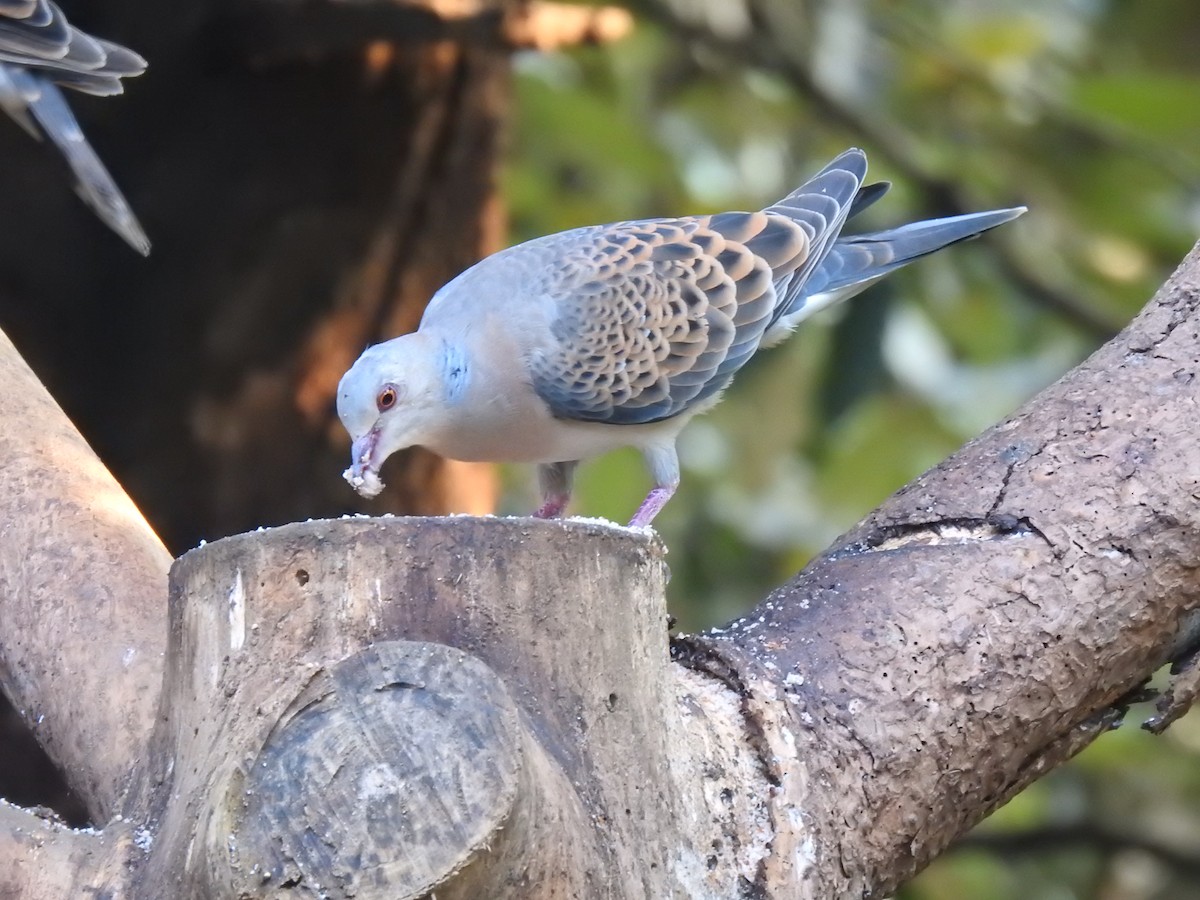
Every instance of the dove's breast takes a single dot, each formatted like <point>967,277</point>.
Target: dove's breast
<point>495,415</point>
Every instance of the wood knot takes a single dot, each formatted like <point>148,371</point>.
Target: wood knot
<point>387,772</point>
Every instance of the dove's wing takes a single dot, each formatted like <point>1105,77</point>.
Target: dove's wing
<point>35,34</point>
<point>653,318</point>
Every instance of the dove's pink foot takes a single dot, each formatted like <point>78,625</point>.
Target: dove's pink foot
<point>552,506</point>
<point>652,505</point>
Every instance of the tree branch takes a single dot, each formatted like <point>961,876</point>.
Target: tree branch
<point>43,860</point>
<point>980,626</point>
<point>81,584</point>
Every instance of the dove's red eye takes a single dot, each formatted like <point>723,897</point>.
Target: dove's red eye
<point>386,399</point>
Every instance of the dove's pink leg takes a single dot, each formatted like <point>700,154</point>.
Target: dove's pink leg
<point>552,506</point>
<point>664,467</point>
<point>652,505</point>
<point>555,482</point>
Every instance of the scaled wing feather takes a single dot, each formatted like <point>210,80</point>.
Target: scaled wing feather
<point>655,317</point>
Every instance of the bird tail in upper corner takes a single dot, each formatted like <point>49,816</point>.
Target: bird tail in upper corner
<point>857,261</point>
<point>17,90</point>
<point>45,103</point>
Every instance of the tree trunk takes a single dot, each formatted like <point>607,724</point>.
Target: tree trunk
<point>384,690</point>
<point>486,708</point>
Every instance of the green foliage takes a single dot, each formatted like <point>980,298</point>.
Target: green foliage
<point>1087,111</point>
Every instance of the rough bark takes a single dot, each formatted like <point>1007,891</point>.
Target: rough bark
<point>982,625</point>
<point>81,585</point>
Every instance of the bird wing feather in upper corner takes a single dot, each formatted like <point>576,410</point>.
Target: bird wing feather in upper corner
<point>36,34</point>
<point>653,317</point>
<point>40,50</point>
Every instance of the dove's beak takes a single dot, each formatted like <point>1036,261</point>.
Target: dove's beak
<point>363,473</point>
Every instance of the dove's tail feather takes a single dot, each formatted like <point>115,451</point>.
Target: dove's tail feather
<point>17,90</point>
<point>24,94</point>
<point>867,195</point>
<point>40,51</point>
<point>865,256</point>
<point>855,262</point>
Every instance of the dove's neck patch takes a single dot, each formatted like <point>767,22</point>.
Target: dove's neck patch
<point>455,372</point>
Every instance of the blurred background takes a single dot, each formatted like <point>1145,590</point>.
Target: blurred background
<point>311,172</point>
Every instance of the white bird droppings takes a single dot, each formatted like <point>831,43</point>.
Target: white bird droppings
<point>237,613</point>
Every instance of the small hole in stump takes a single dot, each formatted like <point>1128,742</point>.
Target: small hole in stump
<point>611,702</point>
<point>301,577</point>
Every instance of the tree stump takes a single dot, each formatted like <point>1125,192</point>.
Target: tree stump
<point>520,740</point>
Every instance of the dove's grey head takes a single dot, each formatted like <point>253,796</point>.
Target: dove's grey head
<point>390,399</point>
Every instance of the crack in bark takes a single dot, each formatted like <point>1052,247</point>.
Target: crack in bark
<point>951,530</point>
<point>708,661</point>
<point>1183,311</point>
<point>1003,492</point>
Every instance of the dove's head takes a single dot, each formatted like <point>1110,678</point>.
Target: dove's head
<point>390,399</point>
